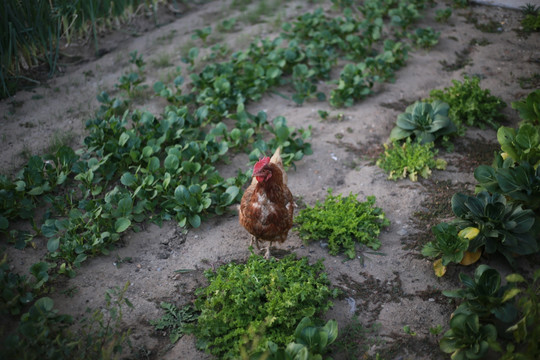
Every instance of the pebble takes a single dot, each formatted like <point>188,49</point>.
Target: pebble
<point>402,232</point>
<point>352,304</point>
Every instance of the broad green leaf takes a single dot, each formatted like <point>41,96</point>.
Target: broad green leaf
<point>46,304</point>
<point>53,244</point>
<point>125,206</point>
<point>128,179</point>
<point>122,224</point>
<point>38,190</point>
<point>194,220</point>
<point>123,139</point>
<point>171,162</point>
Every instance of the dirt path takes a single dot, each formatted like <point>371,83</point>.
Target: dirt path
<point>386,291</point>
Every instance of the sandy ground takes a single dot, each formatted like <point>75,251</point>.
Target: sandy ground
<point>395,289</point>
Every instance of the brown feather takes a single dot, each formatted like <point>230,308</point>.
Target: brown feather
<point>266,210</point>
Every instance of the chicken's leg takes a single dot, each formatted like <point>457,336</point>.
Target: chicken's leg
<point>255,241</point>
<point>267,253</point>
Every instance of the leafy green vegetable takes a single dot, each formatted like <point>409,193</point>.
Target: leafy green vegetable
<point>442,15</point>
<point>425,121</point>
<point>425,38</point>
<point>447,243</point>
<point>343,222</point>
<point>467,338</point>
<point>521,182</point>
<point>526,330</point>
<point>270,295</point>
<point>469,104</point>
<point>521,145</point>
<point>529,108</point>
<point>503,227</point>
<point>310,342</point>
<point>174,320</point>
<point>483,295</point>
<point>409,159</point>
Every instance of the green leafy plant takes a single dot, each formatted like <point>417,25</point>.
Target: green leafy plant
<point>469,104</point>
<point>174,321</point>
<point>425,38</point>
<point>447,244</point>
<point>43,333</point>
<point>425,121</point>
<point>310,342</point>
<point>270,295</point>
<point>521,183</point>
<point>526,330</point>
<point>529,108</point>
<point>409,159</point>
<point>442,15</point>
<point>531,18</point>
<point>343,222</point>
<point>467,338</point>
<point>483,295</point>
<point>202,34</point>
<point>521,145</point>
<point>503,227</point>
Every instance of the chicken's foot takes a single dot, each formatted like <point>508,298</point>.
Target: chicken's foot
<point>255,241</point>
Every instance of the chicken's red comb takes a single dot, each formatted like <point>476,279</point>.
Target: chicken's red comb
<point>260,164</point>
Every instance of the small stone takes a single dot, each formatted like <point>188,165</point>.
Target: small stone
<point>402,232</point>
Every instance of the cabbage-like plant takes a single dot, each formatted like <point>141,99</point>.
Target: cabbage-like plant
<point>505,228</point>
<point>425,121</point>
<point>311,341</point>
<point>521,145</point>
<point>529,108</point>
<point>521,183</point>
<point>467,339</point>
<point>447,244</point>
<point>483,295</point>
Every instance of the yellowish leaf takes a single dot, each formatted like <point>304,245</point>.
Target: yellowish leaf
<point>439,268</point>
<point>469,233</point>
<point>470,257</point>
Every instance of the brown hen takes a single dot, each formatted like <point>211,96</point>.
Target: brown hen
<point>266,209</point>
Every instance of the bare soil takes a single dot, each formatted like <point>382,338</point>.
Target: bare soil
<point>383,291</point>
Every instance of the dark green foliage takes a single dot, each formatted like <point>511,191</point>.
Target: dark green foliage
<point>504,227</point>
<point>310,342</point>
<point>483,295</point>
<point>31,32</point>
<point>425,121</point>
<point>447,244</point>
<point>531,23</point>
<point>425,38</point>
<point>175,319</point>
<point>526,330</point>
<point>469,104</point>
<point>409,159</point>
<point>521,183</point>
<point>522,144</point>
<point>43,333</point>
<point>529,108</point>
<point>343,222</point>
<point>442,15</point>
<point>467,339</point>
<point>262,295</point>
